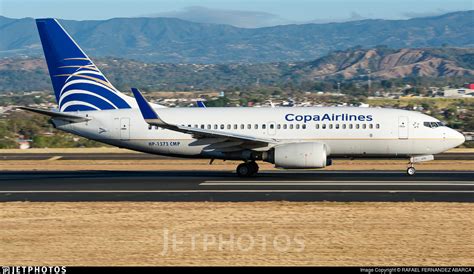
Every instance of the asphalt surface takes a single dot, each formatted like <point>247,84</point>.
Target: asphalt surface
<point>226,186</point>
<point>144,156</point>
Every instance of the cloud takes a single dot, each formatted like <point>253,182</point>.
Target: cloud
<point>238,18</point>
<point>414,14</point>
<point>354,16</point>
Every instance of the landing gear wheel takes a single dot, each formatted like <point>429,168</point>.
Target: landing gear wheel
<point>244,170</point>
<point>411,171</point>
<point>247,169</point>
<point>254,167</point>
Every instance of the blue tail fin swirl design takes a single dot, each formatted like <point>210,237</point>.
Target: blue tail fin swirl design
<point>78,84</point>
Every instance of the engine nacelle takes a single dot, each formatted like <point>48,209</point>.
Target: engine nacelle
<point>301,155</point>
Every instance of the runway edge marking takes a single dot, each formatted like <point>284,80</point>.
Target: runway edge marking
<point>234,191</point>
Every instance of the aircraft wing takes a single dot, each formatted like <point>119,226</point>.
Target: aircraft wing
<point>152,118</point>
<point>58,115</point>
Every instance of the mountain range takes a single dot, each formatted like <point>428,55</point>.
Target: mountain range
<point>18,74</point>
<point>171,40</point>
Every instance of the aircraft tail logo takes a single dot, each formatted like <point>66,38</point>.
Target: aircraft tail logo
<point>78,84</point>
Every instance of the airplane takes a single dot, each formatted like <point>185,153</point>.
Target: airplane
<point>290,138</point>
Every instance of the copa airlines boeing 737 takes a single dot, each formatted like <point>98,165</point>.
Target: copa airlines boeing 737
<point>297,137</point>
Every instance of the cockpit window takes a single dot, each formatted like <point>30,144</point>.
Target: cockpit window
<point>433,124</point>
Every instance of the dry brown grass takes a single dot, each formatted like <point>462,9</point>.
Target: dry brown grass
<point>123,233</point>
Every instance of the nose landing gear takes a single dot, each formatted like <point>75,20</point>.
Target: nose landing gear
<point>411,169</point>
<point>417,159</point>
<point>247,169</point>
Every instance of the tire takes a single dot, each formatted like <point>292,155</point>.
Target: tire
<point>253,167</point>
<point>411,171</point>
<point>244,170</point>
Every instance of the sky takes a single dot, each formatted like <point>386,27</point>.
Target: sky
<point>263,12</point>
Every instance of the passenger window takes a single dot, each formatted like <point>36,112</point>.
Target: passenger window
<point>149,127</point>
<point>222,126</point>
<point>330,126</point>
<point>337,126</point>
<point>242,126</point>
<point>272,126</point>
<point>297,126</point>
<point>285,126</point>
<point>351,126</point>
<point>249,126</point>
<point>215,126</point>
<point>208,126</point>
<point>357,126</point>
<point>364,126</point>
<point>255,126</point>
<point>278,126</point>
<point>324,126</point>
<point>236,126</point>
<point>377,126</point>
<point>202,126</point>
<point>371,126</point>
<point>264,126</point>
<point>317,126</point>
<point>343,126</point>
<point>303,126</point>
<point>291,126</point>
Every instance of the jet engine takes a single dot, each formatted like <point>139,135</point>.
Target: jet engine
<point>300,155</point>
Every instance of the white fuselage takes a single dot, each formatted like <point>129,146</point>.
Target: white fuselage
<point>347,131</point>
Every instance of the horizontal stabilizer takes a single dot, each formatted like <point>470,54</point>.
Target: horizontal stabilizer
<point>57,115</point>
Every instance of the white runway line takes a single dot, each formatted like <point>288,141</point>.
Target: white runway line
<point>333,183</point>
<point>54,158</point>
<point>316,172</point>
<point>233,191</point>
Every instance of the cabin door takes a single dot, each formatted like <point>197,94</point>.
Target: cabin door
<point>402,127</point>
<point>124,129</point>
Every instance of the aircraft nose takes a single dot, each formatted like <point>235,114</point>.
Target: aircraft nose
<point>458,138</point>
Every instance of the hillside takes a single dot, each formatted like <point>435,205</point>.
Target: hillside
<point>384,63</point>
<point>170,40</point>
<point>350,65</point>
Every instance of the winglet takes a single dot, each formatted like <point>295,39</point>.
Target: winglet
<point>201,104</point>
<point>147,111</point>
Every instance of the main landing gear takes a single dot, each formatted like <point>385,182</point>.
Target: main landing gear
<point>247,169</point>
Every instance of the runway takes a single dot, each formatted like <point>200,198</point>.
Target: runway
<point>225,186</point>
